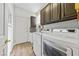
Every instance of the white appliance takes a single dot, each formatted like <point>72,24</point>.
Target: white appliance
<point>53,49</point>
<point>63,43</point>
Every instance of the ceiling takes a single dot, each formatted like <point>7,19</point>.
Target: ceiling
<point>33,7</point>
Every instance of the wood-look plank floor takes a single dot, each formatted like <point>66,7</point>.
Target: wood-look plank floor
<point>23,49</point>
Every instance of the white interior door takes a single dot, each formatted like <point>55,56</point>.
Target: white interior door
<point>21,30</point>
<point>10,37</point>
<point>10,27</point>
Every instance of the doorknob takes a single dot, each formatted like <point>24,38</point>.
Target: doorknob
<point>6,41</point>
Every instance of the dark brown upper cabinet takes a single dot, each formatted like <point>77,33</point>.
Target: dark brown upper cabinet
<point>33,21</point>
<point>42,15</point>
<point>68,11</point>
<point>32,24</point>
<point>46,15</point>
<point>57,12</point>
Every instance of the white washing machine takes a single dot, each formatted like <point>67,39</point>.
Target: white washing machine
<point>60,43</point>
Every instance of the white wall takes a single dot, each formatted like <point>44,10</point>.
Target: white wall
<point>22,12</point>
<point>21,30</point>
<point>22,17</point>
<point>1,18</point>
<point>61,25</point>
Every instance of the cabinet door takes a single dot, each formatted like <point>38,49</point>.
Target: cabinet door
<point>68,11</point>
<point>42,14</point>
<point>48,14</point>
<point>33,24</point>
<point>33,21</point>
<point>55,12</point>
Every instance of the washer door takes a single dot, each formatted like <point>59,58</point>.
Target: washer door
<point>53,49</point>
